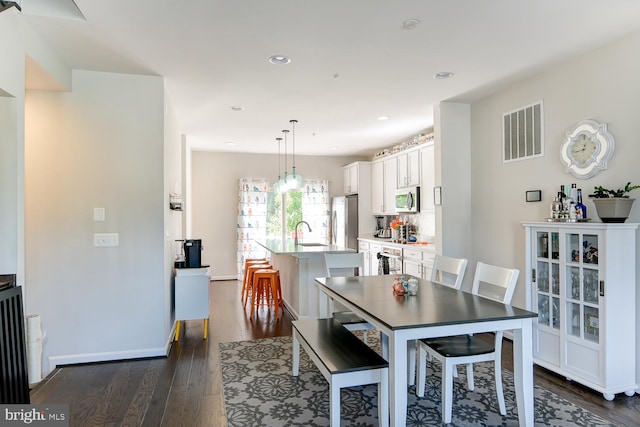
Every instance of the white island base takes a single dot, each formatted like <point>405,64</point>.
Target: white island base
<point>299,266</point>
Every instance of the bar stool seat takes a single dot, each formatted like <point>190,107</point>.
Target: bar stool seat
<point>266,287</point>
<point>248,262</point>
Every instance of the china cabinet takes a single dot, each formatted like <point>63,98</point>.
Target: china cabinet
<point>581,279</point>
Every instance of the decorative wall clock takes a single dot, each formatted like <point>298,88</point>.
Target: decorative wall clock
<point>587,149</point>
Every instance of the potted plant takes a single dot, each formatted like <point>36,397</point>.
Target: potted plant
<point>613,205</point>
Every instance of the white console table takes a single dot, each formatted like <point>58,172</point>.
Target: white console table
<point>191,296</point>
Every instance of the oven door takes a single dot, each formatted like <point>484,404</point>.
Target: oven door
<point>389,263</point>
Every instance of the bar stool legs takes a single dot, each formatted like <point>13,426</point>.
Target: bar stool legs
<point>266,286</point>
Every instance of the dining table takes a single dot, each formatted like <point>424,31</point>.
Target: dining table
<point>435,311</point>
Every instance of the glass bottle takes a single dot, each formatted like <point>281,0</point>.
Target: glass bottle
<point>580,206</point>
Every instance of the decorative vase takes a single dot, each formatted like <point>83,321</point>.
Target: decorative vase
<point>613,209</point>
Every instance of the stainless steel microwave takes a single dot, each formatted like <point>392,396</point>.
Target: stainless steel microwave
<point>408,200</point>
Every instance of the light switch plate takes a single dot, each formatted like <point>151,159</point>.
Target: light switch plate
<point>98,214</point>
<point>106,239</point>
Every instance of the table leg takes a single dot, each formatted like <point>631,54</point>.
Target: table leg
<point>398,380</point>
<point>523,372</point>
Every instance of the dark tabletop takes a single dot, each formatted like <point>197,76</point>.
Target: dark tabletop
<point>434,305</point>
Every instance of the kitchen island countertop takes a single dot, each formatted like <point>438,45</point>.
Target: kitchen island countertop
<point>287,246</point>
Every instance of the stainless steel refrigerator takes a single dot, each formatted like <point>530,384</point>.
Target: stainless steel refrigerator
<point>344,221</point>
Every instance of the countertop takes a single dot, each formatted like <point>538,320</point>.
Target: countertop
<point>283,247</point>
<point>427,247</point>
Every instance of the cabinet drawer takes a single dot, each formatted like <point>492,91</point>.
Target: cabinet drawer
<point>412,254</point>
<point>363,246</point>
<point>374,248</point>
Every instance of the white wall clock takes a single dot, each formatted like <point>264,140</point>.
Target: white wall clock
<point>587,149</point>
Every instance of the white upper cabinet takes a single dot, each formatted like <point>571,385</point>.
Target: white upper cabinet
<point>409,169</point>
<point>350,178</point>
<point>383,186</point>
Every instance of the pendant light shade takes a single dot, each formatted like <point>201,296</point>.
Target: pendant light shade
<point>294,181</point>
<point>283,184</point>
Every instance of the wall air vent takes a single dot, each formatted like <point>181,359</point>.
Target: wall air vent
<point>523,133</point>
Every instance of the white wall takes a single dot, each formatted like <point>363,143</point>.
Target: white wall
<point>602,85</point>
<point>100,146</point>
<point>214,197</point>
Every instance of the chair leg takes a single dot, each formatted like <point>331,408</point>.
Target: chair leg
<point>295,365</point>
<point>447,390</point>
<point>206,328</point>
<point>421,371</point>
<point>498,377</point>
<point>364,336</point>
<point>470,384</point>
<point>411,362</point>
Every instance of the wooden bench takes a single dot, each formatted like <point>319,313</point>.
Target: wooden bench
<point>343,360</point>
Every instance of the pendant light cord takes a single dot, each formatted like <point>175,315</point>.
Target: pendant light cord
<point>293,134</point>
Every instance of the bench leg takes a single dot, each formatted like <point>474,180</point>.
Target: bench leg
<point>334,404</point>
<point>383,399</point>
<point>177,331</point>
<point>295,365</point>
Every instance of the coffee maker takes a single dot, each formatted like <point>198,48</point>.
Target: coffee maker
<point>192,253</point>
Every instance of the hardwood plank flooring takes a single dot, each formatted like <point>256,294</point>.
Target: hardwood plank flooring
<point>185,388</point>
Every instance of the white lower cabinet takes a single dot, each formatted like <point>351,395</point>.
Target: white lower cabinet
<point>418,262</point>
<point>364,248</point>
<point>374,250</point>
<point>581,278</point>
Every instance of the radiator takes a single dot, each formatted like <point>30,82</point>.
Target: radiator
<point>14,381</point>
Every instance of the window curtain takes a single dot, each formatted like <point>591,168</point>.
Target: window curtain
<point>253,197</point>
<point>252,220</point>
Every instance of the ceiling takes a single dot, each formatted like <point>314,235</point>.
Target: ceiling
<point>351,60</point>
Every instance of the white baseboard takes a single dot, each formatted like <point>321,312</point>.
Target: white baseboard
<point>230,277</point>
<point>72,359</point>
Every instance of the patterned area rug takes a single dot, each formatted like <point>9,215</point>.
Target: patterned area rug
<point>260,391</point>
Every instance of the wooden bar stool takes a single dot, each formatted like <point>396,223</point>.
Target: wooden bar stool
<point>248,286</point>
<point>266,286</point>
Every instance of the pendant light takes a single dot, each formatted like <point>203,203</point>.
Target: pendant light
<point>283,182</point>
<point>276,185</point>
<point>294,181</point>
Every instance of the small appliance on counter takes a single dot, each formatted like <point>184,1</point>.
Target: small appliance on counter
<point>189,254</point>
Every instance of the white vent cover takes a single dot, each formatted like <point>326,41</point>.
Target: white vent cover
<point>522,131</point>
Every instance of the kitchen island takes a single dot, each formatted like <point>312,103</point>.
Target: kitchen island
<point>299,265</point>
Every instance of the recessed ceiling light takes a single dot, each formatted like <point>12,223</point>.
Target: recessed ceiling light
<point>334,147</point>
<point>383,118</point>
<point>410,24</point>
<point>230,143</point>
<point>279,60</point>
<point>443,75</point>
<point>237,108</point>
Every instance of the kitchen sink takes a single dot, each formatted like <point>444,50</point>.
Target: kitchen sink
<point>312,244</point>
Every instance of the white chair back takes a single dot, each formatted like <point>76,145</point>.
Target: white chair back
<point>339,265</point>
<point>448,271</point>
<point>496,283</point>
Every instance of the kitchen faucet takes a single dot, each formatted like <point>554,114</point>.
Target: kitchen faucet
<point>296,230</point>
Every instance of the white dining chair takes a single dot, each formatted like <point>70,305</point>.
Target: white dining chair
<point>498,284</point>
<point>446,271</point>
<point>342,265</point>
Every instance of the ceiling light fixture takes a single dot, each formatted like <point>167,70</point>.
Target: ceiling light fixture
<point>383,118</point>
<point>279,60</point>
<point>276,185</point>
<point>443,75</point>
<point>410,24</point>
<point>282,187</point>
<point>294,181</point>
<point>237,108</point>
<point>230,143</point>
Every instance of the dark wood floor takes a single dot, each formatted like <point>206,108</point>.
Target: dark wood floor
<point>185,388</point>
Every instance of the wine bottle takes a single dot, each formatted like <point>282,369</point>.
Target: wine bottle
<point>579,206</point>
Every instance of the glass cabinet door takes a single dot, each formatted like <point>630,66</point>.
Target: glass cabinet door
<point>582,286</point>
<point>547,278</point>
